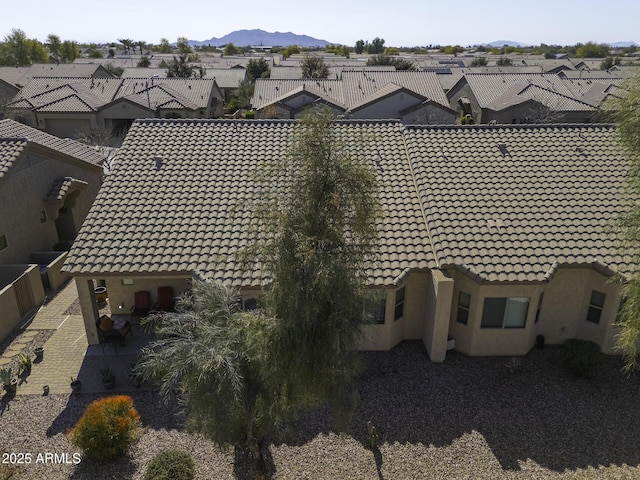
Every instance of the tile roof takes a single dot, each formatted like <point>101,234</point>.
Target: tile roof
<point>267,90</point>
<point>62,186</point>
<point>512,203</point>
<point>11,150</point>
<point>523,92</point>
<point>92,94</point>
<point>487,87</point>
<point>188,214</point>
<point>12,129</point>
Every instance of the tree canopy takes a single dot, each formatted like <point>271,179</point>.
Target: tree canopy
<point>627,108</point>
<point>258,69</point>
<point>314,67</point>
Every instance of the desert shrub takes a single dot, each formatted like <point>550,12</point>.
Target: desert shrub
<point>107,428</point>
<point>582,357</point>
<point>170,465</point>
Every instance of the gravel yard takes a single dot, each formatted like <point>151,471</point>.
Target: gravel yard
<point>465,418</point>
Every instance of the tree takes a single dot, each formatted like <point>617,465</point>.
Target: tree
<point>70,51</point>
<point>93,51</point>
<point>359,48</point>
<point>183,45</point>
<point>15,51</point>
<point>609,62</point>
<point>316,235</point>
<point>290,50</point>
<point>144,62</point>
<point>178,67</point>
<point>230,49</point>
<point>592,50</point>
<point>127,44</point>
<point>479,62</point>
<point>504,62</point>
<point>314,67</point>
<point>258,69</point>
<point>399,63</point>
<point>164,46</point>
<point>628,121</point>
<point>55,47</point>
<point>376,46</point>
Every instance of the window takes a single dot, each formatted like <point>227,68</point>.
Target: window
<point>3,242</point>
<point>464,301</point>
<point>502,312</point>
<point>539,307</point>
<point>399,311</point>
<point>595,306</point>
<point>374,307</point>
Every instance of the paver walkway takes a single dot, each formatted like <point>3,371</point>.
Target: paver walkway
<point>67,354</point>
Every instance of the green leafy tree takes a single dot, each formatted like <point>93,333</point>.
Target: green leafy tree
<point>452,50</point>
<point>290,50</point>
<point>144,62</point>
<point>313,66</point>
<point>183,45</point>
<point>15,51</point>
<point>479,62</point>
<point>94,52</point>
<point>70,51</point>
<point>127,44</point>
<point>391,51</point>
<point>359,48</point>
<point>317,234</point>
<point>258,69</point>
<point>399,63</point>
<point>504,62</point>
<point>592,50</point>
<point>164,46</point>
<point>376,47</point>
<point>55,47</point>
<point>179,67</point>
<point>627,116</point>
<point>230,49</point>
<point>609,62</point>
<point>141,44</point>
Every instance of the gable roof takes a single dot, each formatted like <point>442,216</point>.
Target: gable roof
<point>268,91</point>
<point>523,92</point>
<point>513,203</point>
<point>10,129</point>
<point>189,214</point>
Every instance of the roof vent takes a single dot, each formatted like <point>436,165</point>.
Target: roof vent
<point>503,150</point>
<point>158,161</point>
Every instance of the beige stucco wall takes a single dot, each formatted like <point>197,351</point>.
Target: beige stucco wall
<point>379,337</point>
<point>429,114</point>
<point>10,313</point>
<point>439,288</point>
<point>120,294</point>
<point>463,90</point>
<point>21,197</point>
<point>563,313</point>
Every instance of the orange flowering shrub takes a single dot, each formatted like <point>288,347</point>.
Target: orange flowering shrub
<point>107,428</point>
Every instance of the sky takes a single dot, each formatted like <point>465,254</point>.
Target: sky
<point>405,23</point>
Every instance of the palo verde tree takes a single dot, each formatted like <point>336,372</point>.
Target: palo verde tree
<point>318,231</point>
<point>627,108</point>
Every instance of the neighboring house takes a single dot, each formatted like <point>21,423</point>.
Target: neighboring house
<point>491,235</point>
<point>21,76</point>
<point>410,96</point>
<point>518,98</point>
<point>68,106</point>
<point>47,186</point>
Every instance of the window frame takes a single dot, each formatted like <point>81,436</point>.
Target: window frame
<point>490,303</point>
<point>594,307</point>
<point>398,311</point>
<point>374,310</point>
<point>463,308</point>
<point>539,307</point>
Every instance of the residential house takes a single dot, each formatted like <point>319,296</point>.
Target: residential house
<point>518,98</point>
<point>47,185</point>
<point>66,107</point>
<point>413,97</point>
<point>491,236</point>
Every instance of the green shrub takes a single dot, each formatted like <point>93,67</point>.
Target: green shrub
<point>107,428</point>
<point>582,357</point>
<point>170,465</point>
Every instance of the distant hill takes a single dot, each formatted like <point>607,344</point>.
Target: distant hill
<point>623,44</point>
<point>245,38</point>
<point>502,43</point>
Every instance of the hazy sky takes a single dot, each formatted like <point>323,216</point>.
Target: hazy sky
<point>402,23</point>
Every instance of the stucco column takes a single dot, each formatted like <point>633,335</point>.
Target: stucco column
<point>437,327</point>
<point>89,308</point>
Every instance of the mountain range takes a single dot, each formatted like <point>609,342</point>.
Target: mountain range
<point>244,38</point>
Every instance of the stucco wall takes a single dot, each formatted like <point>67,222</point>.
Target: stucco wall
<point>562,315</point>
<point>120,294</point>
<point>21,197</point>
<point>429,114</point>
<point>10,313</point>
<point>463,90</point>
<point>439,290</point>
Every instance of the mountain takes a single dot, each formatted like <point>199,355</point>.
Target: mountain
<point>502,43</point>
<point>244,38</point>
<point>623,44</point>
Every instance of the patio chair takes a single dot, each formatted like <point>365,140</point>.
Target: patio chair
<point>107,333</point>
<point>166,300</point>
<point>142,304</point>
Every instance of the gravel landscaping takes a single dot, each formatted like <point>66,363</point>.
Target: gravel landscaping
<point>465,418</point>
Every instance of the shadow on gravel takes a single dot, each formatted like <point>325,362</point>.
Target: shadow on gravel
<point>536,411</point>
<point>88,469</point>
<point>153,413</point>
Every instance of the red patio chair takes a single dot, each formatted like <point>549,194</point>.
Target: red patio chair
<point>142,304</point>
<point>166,300</point>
